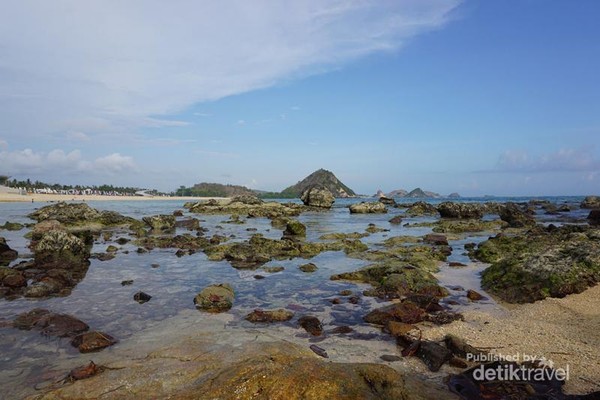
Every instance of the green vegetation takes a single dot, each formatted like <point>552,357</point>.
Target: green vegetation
<point>205,189</point>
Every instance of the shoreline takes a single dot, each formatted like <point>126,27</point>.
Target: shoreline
<point>46,198</point>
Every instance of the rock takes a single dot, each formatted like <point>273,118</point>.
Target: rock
<point>310,267</point>
<point>92,341</point>
<point>372,228</point>
<point>6,253</point>
<point>295,228</point>
<point>272,270</point>
<point>346,292</point>
<point>551,262</point>
<point>178,213</point>
<point>59,247</point>
<point>317,197</point>
<point>591,202</point>
<point>368,208</point>
<point>390,358</point>
<point>474,296</point>
<point>16,280</point>
<point>50,323</point>
<point>12,226</point>
<point>111,249</point>
<point>421,208</point>
<point>66,213</point>
<point>142,297</point>
<point>460,347</point>
<point>311,325</point>
<point>160,222</point>
<point>387,201</point>
<point>433,355</point>
<point>444,317</point>
<point>319,351</point>
<point>127,282</point>
<point>594,217</point>
<point>436,239</point>
<point>259,277</point>
<point>401,312</point>
<point>193,369</point>
<point>450,209</point>
<point>456,264</point>
<point>342,330</point>
<point>268,316</point>
<point>191,224</point>
<point>84,372</point>
<point>396,220</point>
<point>247,199</point>
<point>515,217</point>
<point>215,298</point>
<point>397,328</point>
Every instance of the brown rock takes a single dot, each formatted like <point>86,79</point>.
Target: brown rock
<point>436,239</point>
<point>311,325</point>
<point>15,281</point>
<point>473,295</point>
<point>396,328</point>
<point>310,267</point>
<point>402,312</point>
<point>50,324</point>
<point>92,341</point>
<point>269,316</point>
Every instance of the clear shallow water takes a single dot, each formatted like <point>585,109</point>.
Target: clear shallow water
<point>101,301</point>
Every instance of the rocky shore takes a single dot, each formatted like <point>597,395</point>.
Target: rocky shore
<point>402,314</point>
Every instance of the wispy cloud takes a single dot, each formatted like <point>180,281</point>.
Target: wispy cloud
<point>64,70</point>
<point>563,160</point>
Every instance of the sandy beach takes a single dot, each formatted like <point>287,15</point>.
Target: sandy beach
<point>45,198</point>
<point>564,331</point>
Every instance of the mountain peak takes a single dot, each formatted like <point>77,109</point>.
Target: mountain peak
<point>320,178</point>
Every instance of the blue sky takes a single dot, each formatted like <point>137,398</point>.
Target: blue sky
<point>475,97</point>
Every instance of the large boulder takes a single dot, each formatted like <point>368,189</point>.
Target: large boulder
<point>515,216</point>
<point>594,217</point>
<point>160,222</point>
<point>368,208</point>
<point>317,197</point>
<point>58,247</point>
<point>66,213</point>
<point>215,298</point>
<point>550,262</point>
<point>449,209</point>
<point>591,202</point>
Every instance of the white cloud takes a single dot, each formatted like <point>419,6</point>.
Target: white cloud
<point>114,163</point>
<point>101,65</point>
<point>77,136</point>
<point>59,163</point>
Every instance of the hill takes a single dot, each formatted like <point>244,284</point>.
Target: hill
<point>206,189</point>
<point>321,178</point>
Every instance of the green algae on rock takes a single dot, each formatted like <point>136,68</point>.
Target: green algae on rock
<point>544,262</point>
<point>215,298</point>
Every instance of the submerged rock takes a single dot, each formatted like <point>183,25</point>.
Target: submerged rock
<point>317,197</point>
<point>368,208</point>
<point>268,316</point>
<point>92,341</point>
<point>50,323</point>
<point>12,226</point>
<point>215,298</point>
<point>405,312</point>
<point>396,220</point>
